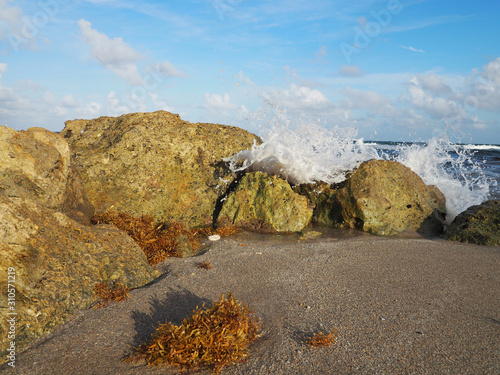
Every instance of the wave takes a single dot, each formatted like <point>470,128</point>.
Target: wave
<point>311,153</point>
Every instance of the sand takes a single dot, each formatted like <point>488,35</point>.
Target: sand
<point>400,305</point>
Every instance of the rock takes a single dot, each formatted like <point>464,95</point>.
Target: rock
<point>56,262</point>
<point>321,195</point>
<point>155,163</point>
<point>385,198</point>
<point>54,258</point>
<point>478,224</point>
<point>265,203</point>
<point>36,165</point>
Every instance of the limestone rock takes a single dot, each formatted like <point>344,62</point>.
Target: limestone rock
<point>155,163</point>
<point>322,196</point>
<point>478,224</point>
<point>36,165</point>
<point>57,262</point>
<point>266,203</point>
<point>385,198</point>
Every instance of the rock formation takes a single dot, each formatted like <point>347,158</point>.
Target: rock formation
<point>36,165</point>
<point>478,224</point>
<point>155,163</point>
<point>383,198</point>
<point>266,203</point>
<point>54,260</point>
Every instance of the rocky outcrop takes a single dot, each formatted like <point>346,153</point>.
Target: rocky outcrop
<point>50,262</point>
<point>321,195</point>
<point>155,163</point>
<point>265,203</point>
<point>36,165</point>
<point>385,198</point>
<point>478,224</point>
<point>57,262</point>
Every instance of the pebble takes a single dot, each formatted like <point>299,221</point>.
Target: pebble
<point>214,237</point>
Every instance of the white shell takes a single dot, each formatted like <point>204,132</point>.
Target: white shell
<point>214,237</point>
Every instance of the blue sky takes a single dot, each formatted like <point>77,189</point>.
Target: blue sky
<point>393,69</point>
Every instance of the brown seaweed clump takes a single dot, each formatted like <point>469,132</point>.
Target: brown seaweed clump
<point>158,240</point>
<point>321,339</point>
<point>212,337</point>
<point>204,265</point>
<point>107,294</point>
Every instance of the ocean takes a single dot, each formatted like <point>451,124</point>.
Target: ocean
<point>467,174</point>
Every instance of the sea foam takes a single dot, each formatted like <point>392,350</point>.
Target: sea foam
<point>311,152</point>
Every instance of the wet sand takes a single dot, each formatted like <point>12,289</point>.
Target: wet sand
<point>400,305</point>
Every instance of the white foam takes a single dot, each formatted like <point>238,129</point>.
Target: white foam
<point>307,154</point>
<point>451,168</point>
<point>311,153</point>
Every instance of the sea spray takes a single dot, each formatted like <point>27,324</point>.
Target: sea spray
<point>312,152</point>
<point>451,168</point>
<point>306,154</point>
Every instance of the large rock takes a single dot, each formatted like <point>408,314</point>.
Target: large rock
<point>321,195</point>
<point>56,262</point>
<point>478,224</point>
<point>52,261</point>
<point>36,165</point>
<point>385,198</point>
<point>265,203</point>
<point>155,163</point>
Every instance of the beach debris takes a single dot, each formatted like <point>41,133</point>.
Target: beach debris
<point>211,337</point>
<point>214,237</point>
<point>320,339</point>
<point>161,240</point>
<point>204,265</point>
<point>106,294</point>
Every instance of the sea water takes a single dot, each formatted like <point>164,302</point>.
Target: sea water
<point>467,174</point>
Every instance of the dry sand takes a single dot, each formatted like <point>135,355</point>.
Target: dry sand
<point>400,305</point>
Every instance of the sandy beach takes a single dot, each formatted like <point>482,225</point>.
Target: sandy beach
<point>400,305</point>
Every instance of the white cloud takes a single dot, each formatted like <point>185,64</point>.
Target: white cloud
<point>15,28</point>
<point>413,49</point>
<point>437,107</point>
<point>350,71</point>
<point>244,79</point>
<point>491,71</point>
<point>219,102</point>
<point>168,70</point>
<point>3,69</point>
<point>432,83</point>
<point>302,97</point>
<point>114,54</point>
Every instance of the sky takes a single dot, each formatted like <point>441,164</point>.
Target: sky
<point>395,70</point>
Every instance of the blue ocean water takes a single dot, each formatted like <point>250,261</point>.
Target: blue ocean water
<point>479,163</point>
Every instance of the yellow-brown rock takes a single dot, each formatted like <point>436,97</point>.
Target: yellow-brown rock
<point>385,197</point>
<point>266,203</point>
<point>155,163</point>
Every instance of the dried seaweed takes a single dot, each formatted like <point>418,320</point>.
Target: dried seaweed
<point>158,240</point>
<point>204,265</point>
<point>106,294</point>
<point>321,339</point>
<point>212,337</point>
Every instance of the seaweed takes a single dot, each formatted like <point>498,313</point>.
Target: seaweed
<point>321,339</point>
<point>159,240</point>
<point>106,294</point>
<point>204,265</point>
<point>211,337</point>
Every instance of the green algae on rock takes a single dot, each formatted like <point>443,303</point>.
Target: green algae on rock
<point>266,203</point>
<point>155,163</point>
<point>478,224</point>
